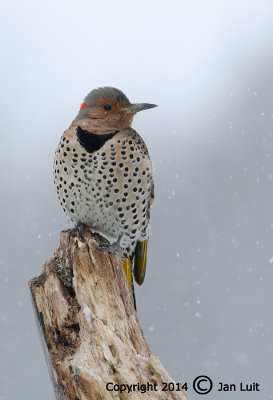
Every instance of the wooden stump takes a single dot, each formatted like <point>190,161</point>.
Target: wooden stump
<point>89,329</point>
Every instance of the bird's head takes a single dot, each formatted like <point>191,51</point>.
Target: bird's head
<point>110,107</point>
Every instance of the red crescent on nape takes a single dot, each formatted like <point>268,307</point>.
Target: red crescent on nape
<point>82,106</point>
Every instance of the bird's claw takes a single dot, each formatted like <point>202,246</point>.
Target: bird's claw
<point>111,248</point>
<point>79,228</point>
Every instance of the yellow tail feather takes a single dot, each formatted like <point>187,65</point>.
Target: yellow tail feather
<point>128,272</point>
<point>140,259</point>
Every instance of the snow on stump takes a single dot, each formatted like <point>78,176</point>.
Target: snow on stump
<point>93,343</point>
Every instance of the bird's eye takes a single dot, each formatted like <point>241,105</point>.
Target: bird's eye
<point>108,107</point>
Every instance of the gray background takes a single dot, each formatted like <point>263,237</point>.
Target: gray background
<point>206,304</point>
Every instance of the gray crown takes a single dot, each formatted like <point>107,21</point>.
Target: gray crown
<point>105,93</point>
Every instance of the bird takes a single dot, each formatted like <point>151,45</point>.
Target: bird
<point>103,177</point>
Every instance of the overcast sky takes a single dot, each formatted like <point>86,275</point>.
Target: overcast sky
<point>206,303</point>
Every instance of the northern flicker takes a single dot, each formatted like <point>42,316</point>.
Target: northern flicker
<point>103,176</point>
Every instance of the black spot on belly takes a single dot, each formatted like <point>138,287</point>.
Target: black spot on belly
<point>91,141</point>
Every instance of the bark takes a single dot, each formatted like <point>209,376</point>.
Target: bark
<point>89,328</point>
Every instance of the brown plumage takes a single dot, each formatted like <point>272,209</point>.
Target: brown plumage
<point>103,175</point>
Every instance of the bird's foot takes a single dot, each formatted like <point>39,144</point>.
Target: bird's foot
<point>78,228</point>
<point>112,248</point>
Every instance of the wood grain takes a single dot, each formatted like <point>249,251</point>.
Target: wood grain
<point>89,328</point>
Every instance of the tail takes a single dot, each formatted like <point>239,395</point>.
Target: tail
<point>127,266</point>
<point>128,272</point>
<point>138,261</point>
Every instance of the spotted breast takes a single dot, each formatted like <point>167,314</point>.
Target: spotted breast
<point>105,184</point>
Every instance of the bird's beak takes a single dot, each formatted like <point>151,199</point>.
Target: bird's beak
<point>134,108</point>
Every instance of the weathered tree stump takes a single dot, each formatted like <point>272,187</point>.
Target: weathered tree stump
<point>89,328</point>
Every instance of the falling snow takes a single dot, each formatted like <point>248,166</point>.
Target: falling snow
<point>211,139</point>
